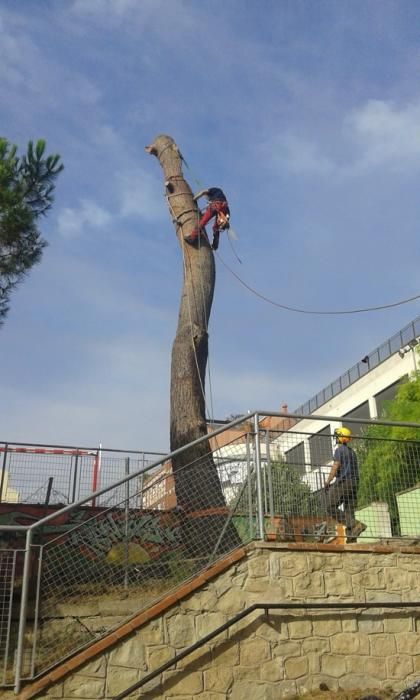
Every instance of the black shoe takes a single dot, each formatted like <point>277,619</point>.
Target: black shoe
<point>190,241</point>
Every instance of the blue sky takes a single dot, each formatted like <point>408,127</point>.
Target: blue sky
<point>306,113</point>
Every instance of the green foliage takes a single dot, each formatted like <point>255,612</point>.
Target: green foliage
<point>27,186</point>
<point>389,456</point>
<point>291,496</point>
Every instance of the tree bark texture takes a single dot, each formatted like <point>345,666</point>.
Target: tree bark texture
<point>197,484</point>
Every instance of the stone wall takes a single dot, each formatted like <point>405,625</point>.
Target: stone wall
<point>280,655</point>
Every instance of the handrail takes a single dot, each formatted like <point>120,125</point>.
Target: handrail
<point>258,606</point>
<point>129,477</point>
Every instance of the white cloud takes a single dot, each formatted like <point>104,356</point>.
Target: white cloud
<point>139,195</point>
<point>376,134</point>
<point>73,222</point>
<point>386,134</point>
<point>299,156</point>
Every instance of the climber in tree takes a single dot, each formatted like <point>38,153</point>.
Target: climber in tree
<point>218,208</point>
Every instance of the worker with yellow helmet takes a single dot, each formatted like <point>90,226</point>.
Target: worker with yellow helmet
<point>341,485</point>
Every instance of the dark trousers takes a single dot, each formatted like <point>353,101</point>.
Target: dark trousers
<point>342,493</point>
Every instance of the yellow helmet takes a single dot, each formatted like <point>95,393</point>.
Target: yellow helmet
<point>342,435</point>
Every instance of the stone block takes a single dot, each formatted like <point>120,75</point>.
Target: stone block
<point>152,633</point>
<point>357,682</point>
<point>285,689</point>
<point>208,622</point>
<point>218,679</point>
<point>200,601</point>
<point>314,662</point>
<point>56,691</point>
<point>273,629</point>
<point>256,585</point>
<point>316,645</point>
<point>290,564</point>
<point>296,667</point>
<point>370,623</point>
<point>325,626</point>
<point>158,655</point>
<point>384,597</point>
<point>299,629</point>
<point>399,666</point>
<point>197,660</point>
<point>327,561</point>
<point>408,643</point>
<point>182,683</point>
<point>395,623</point>
<point>226,654</point>
<point>130,654</point>
<point>358,562</point>
<point>243,673</point>
<point>223,583</point>
<point>95,668</point>
<point>314,682</point>
<point>232,602</point>
<point>254,651</point>
<point>373,578</point>
<point>272,671</point>
<point>348,643</point>
<point>338,583</point>
<point>256,690</point>
<point>286,649</point>
<point>333,665</point>
<point>309,585</point>
<point>372,666</point>
<point>349,623</point>
<point>118,679</point>
<point>180,630</point>
<point>409,562</point>
<point>82,687</point>
<point>382,645</point>
<point>258,566</point>
<point>400,580</point>
<point>281,590</point>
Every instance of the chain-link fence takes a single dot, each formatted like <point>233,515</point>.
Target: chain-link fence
<point>7,630</point>
<point>157,527</point>
<point>50,474</point>
<point>320,487</point>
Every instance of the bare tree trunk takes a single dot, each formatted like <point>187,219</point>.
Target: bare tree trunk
<point>197,484</point>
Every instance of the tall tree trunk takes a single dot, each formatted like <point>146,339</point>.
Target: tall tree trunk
<point>197,484</point>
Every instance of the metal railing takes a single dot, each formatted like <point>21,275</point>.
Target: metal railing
<point>400,342</point>
<point>57,474</point>
<point>265,607</point>
<point>159,526</point>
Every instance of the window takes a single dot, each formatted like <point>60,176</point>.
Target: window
<point>361,411</point>
<point>296,458</point>
<point>387,395</point>
<point>321,448</point>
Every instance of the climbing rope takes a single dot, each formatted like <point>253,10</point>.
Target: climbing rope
<point>309,311</point>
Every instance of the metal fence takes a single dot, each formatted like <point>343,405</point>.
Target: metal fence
<point>53,474</point>
<point>160,526</point>
<point>402,342</point>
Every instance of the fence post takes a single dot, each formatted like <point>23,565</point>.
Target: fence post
<point>250,483</point>
<point>23,611</point>
<point>126,517</point>
<point>76,465</point>
<point>3,471</point>
<point>269,473</point>
<point>260,513</point>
